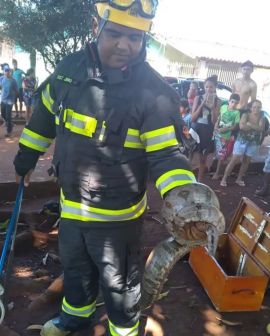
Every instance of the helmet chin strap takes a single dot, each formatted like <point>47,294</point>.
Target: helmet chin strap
<point>101,26</point>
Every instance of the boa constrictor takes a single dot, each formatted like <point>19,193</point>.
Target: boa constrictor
<point>191,215</point>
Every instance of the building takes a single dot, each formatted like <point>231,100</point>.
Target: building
<point>6,52</point>
<point>180,57</point>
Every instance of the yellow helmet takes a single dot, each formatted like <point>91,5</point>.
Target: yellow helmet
<point>137,14</point>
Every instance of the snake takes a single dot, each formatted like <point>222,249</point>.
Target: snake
<point>192,216</point>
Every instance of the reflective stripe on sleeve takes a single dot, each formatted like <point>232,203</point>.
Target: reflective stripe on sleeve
<point>85,311</point>
<point>159,139</point>
<point>133,139</point>
<point>62,198</point>
<point>118,331</point>
<point>82,212</point>
<point>47,99</point>
<point>102,132</point>
<point>79,123</point>
<point>174,178</point>
<point>35,141</point>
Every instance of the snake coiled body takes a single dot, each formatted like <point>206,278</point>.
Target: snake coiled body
<point>191,215</point>
<point>158,266</point>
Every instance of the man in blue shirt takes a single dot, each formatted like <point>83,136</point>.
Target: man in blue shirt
<point>9,92</point>
<point>18,76</point>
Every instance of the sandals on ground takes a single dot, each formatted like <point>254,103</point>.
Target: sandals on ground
<point>240,183</point>
<point>223,184</point>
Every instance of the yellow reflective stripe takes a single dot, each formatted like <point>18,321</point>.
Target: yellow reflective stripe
<point>47,99</point>
<point>174,178</point>
<point>65,115</point>
<point>82,212</point>
<point>159,139</point>
<point>85,311</point>
<point>118,331</point>
<point>133,139</point>
<point>57,122</point>
<point>35,141</point>
<point>62,197</point>
<point>79,123</point>
<point>102,132</point>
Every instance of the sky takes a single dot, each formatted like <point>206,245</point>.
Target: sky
<point>242,23</point>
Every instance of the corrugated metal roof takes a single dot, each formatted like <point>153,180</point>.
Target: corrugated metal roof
<point>221,52</point>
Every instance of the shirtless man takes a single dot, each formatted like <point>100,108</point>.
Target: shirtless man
<point>245,86</point>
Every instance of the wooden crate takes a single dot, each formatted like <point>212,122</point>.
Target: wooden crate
<point>236,278</point>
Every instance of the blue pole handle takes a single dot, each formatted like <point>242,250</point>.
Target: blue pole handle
<point>12,225</point>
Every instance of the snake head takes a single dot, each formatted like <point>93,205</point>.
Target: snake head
<point>192,216</point>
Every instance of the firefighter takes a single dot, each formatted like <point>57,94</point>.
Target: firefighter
<point>114,120</point>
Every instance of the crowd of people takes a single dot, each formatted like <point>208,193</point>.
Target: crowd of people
<point>232,131</point>
<point>17,88</point>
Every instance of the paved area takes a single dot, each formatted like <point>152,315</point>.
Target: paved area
<point>8,150</point>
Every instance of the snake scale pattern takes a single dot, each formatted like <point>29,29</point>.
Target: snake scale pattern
<point>191,215</point>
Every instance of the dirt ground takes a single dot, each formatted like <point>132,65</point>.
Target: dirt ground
<point>186,310</point>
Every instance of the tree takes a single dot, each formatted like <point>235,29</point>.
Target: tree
<point>54,28</point>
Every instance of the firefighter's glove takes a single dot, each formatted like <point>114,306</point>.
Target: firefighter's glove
<point>24,161</point>
<point>191,214</point>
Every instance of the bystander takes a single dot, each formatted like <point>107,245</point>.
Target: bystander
<point>18,76</point>
<point>9,90</point>
<point>245,86</point>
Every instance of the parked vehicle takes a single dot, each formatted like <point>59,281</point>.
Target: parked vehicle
<point>182,87</point>
<point>171,80</point>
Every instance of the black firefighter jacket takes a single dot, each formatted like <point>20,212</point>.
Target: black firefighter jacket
<point>111,129</point>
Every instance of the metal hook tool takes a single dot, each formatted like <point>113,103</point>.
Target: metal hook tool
<point>9,245</point>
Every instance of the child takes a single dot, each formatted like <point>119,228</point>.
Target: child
<point>29,86</point>
<point>192,93</point>
<point>228,121</point>
<point>188,140</point>
<point>185,112</point>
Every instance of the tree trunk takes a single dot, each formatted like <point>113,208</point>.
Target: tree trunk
<point>33,60</point>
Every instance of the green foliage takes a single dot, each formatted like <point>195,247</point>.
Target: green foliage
<point>54,28</point>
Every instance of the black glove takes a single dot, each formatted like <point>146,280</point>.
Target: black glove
<point>25,160</point>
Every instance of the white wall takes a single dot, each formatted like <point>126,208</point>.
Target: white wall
<point>262,78</point>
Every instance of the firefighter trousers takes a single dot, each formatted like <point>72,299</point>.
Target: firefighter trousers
<point>105,256</point>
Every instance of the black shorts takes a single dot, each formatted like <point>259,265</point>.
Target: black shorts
<point>207,144</point>
<point>19,96</point>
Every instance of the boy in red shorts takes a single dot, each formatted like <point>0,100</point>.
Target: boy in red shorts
<point>227,122</point>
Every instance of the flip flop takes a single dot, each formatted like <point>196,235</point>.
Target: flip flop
<point>240,183</point>
<point>223,184</point>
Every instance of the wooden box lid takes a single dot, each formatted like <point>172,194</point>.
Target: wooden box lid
<point>250,227</point>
